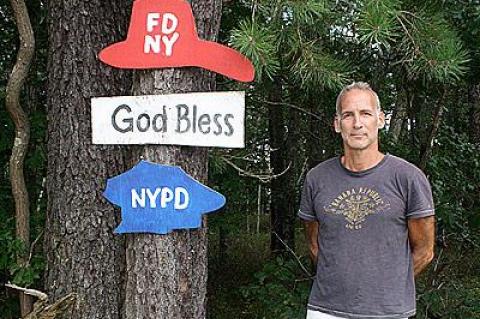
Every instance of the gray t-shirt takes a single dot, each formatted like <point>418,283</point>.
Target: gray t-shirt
<point>365,267</point>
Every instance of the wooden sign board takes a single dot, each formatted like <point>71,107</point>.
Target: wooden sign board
<point>162,34</point>
<point>158,198</point>
<point>195,119</point>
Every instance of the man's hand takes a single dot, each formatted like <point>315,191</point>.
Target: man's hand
<point>311,232</point>
<point>421,233</point>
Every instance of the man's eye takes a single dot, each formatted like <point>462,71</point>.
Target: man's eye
<point>346,115</point>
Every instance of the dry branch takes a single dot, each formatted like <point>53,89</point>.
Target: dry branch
<point>41,309</point>
<point>32,292</point>
<point>290,250</point>
<point>263,178</point>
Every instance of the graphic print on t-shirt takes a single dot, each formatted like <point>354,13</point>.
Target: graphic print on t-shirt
<point>356,205</point>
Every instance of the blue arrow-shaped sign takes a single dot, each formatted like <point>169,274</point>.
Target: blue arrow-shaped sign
<point>158,198</point>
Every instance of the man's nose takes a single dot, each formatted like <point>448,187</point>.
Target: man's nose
<point>357,122</point>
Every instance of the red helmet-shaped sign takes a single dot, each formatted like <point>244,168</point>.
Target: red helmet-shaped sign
<point>162,34</point>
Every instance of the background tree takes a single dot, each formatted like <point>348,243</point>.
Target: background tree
<point>27,273</point>
<point>83,255</point>
<point>166,275</point>
<point>22,137</point>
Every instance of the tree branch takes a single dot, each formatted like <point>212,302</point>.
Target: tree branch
<point>293,106</point>
<point>42,310</point>
<point>32,292</point>
<point>263,178</point>
<point>22,133</point>
<point>304,170</point>
<point>437,117</point>
<point>304,269</point>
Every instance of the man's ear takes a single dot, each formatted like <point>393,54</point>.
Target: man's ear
<point>336,124</point>
<point>381,120</point>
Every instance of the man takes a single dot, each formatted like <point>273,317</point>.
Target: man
<point>369,220</point>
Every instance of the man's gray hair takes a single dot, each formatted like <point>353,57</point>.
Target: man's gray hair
<point>359,86</point>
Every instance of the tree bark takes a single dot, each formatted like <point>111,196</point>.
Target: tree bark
<point>281,199</point>
<point>474,101</point>
<point>292,156</point>
<point>277,164</point>
<point>428,144</point>
<point>166,275</point>
<point>83,255</point>
<point>22,136</point>
<point>399,116</point>
<point>320,136</point>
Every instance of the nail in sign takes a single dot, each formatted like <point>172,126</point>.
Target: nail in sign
<point>158,198</point>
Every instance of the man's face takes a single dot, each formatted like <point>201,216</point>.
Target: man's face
<point>359,120</point>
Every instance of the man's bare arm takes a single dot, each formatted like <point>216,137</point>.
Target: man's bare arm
<point>421,233</point>
<point>311,232</point>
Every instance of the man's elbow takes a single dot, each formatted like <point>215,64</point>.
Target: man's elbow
<point>425,256</point>
<point>430,256</point>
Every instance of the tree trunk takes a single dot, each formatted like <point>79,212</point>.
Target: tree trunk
<point>22,136</point>
<point>259,207</point>
<point>413,116</point>
<point>83,255</point>
<point>280,204</point>
<point>166,275</point>
<point>474,101</point>
<point>428,144</point>
<point>277,164</point>
<point>399,116</point>
<point>292,157</point>
<point>321,139</point>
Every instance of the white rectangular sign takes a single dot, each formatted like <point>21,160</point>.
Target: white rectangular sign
<point>197,119</point>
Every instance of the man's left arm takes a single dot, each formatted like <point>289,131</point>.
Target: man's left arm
<point>421,234</point>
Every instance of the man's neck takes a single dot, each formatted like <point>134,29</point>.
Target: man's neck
<point>360,160</point>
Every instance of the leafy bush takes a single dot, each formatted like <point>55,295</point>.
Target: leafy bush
<point>456,192</point>
<point>280,291</point>
<point>451,287</point>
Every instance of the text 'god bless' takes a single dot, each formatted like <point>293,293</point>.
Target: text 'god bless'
<point>184,118</point>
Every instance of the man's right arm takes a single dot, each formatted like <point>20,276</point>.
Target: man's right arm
<point>311,231</point>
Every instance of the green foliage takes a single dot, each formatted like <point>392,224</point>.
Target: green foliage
<point>314,68</point>
<point>466,294</point>
<point>23,276</point>
<point>8,41</point>
<point>304,12</point>
<point>280,291</point>
<point>456,193</point>
<point>440,53</point>
<point>27,276</point>
<point>379,24</point>
<point>284,39</point>
<point>234,255</point>
<point>259,45</point>
<point>420,40</point>
<point>451,288</point>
